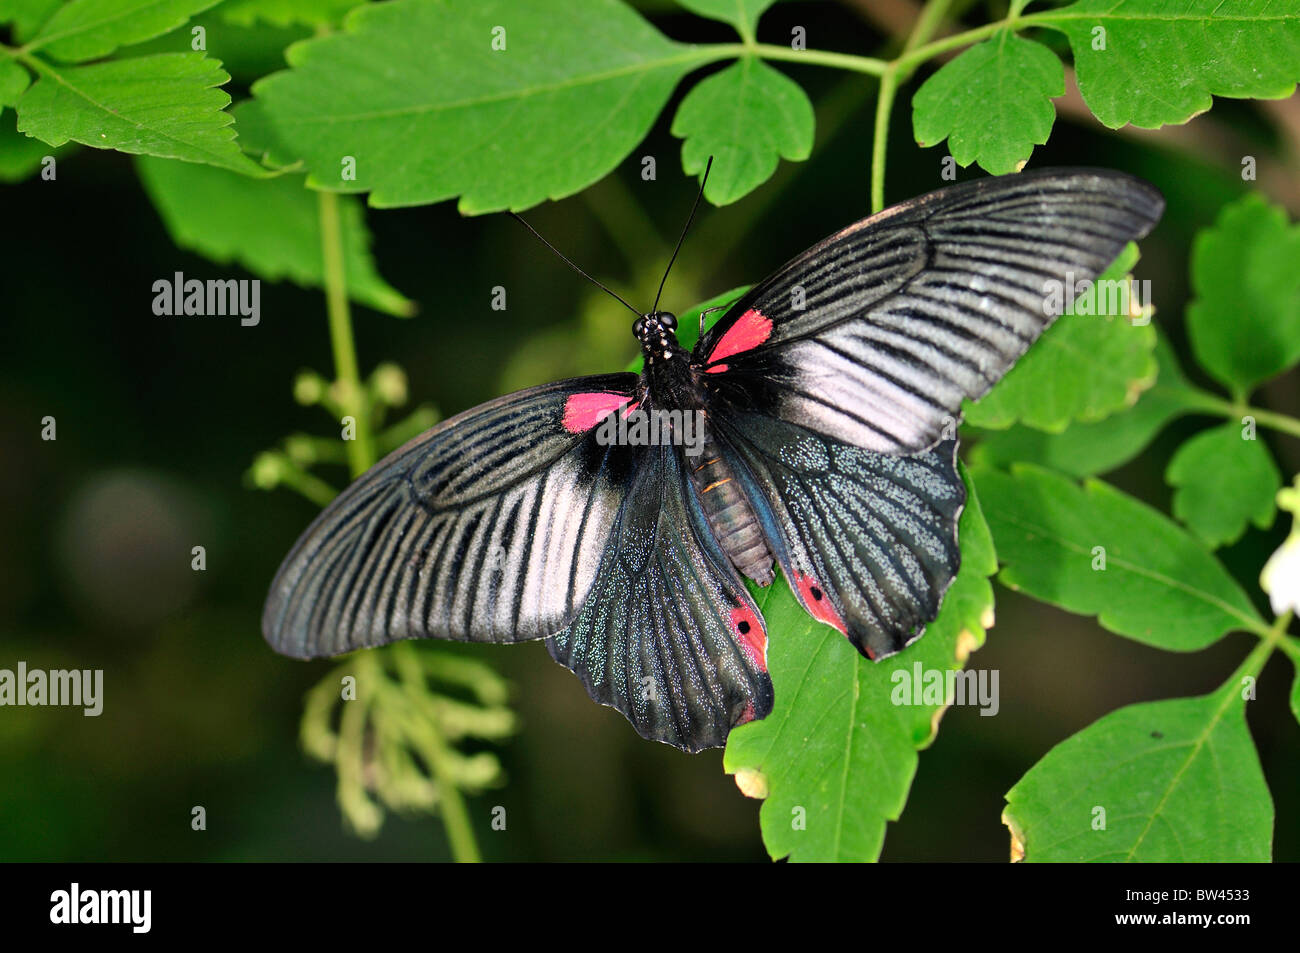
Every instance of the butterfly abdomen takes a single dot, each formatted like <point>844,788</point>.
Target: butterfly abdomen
<point>730,515</point>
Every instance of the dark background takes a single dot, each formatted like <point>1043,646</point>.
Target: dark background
<point>159,417</point>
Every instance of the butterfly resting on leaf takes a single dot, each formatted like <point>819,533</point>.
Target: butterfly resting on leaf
<point>828,450</point>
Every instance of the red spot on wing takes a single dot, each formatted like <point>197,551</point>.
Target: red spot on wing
<point>715,369</point>
<point>750,330</point>
<point>746,716</point>
<point>817,602</point>
<point>749,630</point>
<point>584,411</point>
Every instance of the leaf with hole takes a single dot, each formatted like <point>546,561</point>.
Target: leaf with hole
<point>1172,781</point>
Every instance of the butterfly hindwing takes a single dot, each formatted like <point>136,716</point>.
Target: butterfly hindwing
<point>867,541</point>
<point>668,635</point>
<point>489,527</point>
<point>876,335</point>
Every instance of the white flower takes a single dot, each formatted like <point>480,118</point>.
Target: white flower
<point>1281,575</point>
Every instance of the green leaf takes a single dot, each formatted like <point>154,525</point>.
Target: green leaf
<point>1178,780</point>
<point>742,14</point>
<point>269,226</point>
<point>1224,481</point>
<point>993,103</point>
<point>286,12</point>
<point>1160,61</point>
<point>1085,449</point>
<point>837,754</point>
<point>27,16</point>
<point>86,29</point>
<point>13,80</point>
<point>564,102</point>
<point>165,105</point>
<point>1095,550</point>
<point>1091,363</point>
<point>746,117</point>
<point>1244,322</point>
<point>20,155</point>
<point>1295,690</point>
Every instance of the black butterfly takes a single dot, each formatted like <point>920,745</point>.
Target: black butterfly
<point>829,395</point>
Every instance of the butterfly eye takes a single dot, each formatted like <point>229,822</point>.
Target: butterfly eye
<point>668,320</point>
<point>638,327</point>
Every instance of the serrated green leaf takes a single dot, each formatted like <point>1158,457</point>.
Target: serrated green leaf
<point>1161,61</point>
<point>1086,449</point>
<point>742,14</point>
<point>993,103</point>
<point>415,93</point>
<point>746,117</point>
<point>166,105</point>
<point>1091,363</point>
<point>1159,585</point>
<point>86,29</point>
<point>13,80</point>
<point>1178,780</point>
<point>1244,321</point>
<point>837,754</point>
<point>269,226</point>
<point>284,13</point>
<point>27,16</point>
<point>1223,482</point>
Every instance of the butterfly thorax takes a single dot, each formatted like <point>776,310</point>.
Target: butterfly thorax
<point>672,384</point>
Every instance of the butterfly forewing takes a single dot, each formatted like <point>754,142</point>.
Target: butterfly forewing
<point>489,527</point>
<point>876,335</point>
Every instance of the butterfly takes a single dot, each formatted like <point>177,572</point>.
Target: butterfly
<point>825,400</point>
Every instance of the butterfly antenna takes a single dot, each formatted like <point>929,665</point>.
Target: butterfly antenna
<point>689,219</point>
<point>564,259</point>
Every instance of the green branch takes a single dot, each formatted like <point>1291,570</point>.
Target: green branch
<point>351,396</point>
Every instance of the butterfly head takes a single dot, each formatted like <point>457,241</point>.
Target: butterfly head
<point>656,330</point>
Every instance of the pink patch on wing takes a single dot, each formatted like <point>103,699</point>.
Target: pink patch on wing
<point>817,602</point>
<point>749,629</point>
<point>746,716</point>
<point>584,411</point>
<point>716,369</point>
<point>750,330</point>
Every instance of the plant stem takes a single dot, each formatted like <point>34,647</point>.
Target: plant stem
<point>352,397</point>
<point>926,24</point>
<point>1212,404</point>
<point>846,61</point>
<point>1271,638</point>
<point>361,455</point>
<point>884,105</point>
<point>455,818</point>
